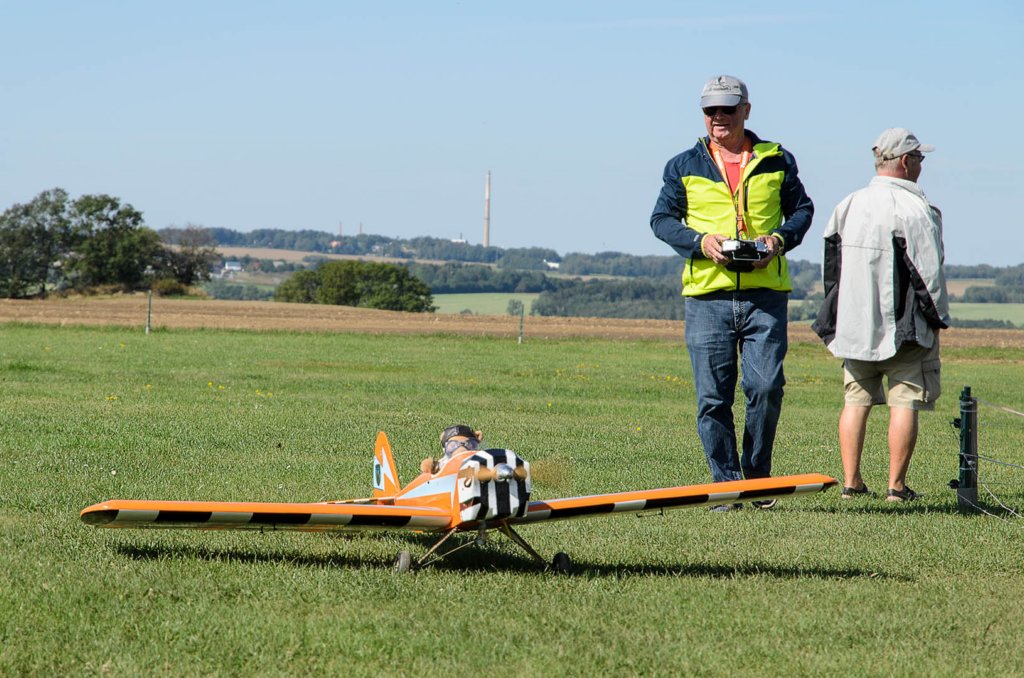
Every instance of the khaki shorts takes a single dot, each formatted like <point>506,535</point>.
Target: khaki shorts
<point>912,374</point>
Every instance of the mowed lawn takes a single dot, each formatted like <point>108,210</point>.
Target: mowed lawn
<point>818,586</point>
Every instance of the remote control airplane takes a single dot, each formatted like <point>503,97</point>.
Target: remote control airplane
<point>473,491</point>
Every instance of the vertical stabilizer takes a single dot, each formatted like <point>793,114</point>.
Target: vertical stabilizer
<point>385,473</point>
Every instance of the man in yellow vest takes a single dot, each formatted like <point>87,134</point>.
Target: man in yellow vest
<point>732,206</point>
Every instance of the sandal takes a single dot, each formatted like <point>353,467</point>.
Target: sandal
<point>851,492</point>
<point>906,494</point>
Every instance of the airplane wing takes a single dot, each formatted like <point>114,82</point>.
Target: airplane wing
<point>216,515</point>
<point>675,497</point>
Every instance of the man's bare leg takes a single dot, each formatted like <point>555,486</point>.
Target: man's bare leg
<point>853,422</point>
<point>902,439</point>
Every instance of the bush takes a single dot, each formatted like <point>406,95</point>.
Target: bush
<point>169,287</point>
<point>358,283</point>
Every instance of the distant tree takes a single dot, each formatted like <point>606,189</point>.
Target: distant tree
<point>993,294</point>
<point>805,277</point>
<point>35,239</point>
<point>631,298</point>
<point>530,258</point>
<point>1012,276</point>
<point>221,289</point>
<point>985,323</point>
<point>617,263</point>
<point>515,307</point>
<point>114,246</point>
<point>358,283</point>
<point>299,288</point>
<point>192,256</point>
<point>456,278</point>
<point>981,271</point>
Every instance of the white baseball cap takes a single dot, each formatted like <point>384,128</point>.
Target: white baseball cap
<point>897,141</point>
<point>723,90</point>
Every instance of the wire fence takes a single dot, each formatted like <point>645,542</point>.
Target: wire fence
<point>1000,509</point>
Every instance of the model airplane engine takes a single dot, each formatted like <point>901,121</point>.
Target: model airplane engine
<point>494,484</point>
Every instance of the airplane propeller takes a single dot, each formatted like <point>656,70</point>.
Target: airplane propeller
<point>501,473</point>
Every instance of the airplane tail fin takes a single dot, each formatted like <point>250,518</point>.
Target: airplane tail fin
<point>385,473</point>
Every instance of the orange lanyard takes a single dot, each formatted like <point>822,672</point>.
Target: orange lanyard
<point>741,226</point>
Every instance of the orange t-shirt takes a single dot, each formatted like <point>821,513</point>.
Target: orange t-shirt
<point>734,170</point>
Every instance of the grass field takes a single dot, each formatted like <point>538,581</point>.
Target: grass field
<point>481,304</point>
<point>817,586</point>
<point>1013,313</point>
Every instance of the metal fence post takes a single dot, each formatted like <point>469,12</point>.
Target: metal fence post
<point>967,488</point>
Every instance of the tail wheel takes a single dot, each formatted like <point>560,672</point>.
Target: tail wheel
<point>562,563</point>
<point>403,562</point>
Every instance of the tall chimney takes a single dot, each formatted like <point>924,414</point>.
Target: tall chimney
<point>487,211</point>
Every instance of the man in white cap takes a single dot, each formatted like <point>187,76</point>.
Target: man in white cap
<point>732,206</point>
<point>885,302</point>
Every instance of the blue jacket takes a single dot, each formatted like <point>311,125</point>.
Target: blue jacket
<point>695,200</point>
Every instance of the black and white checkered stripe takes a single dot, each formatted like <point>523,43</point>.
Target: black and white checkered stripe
<point>494,499</point>
<point>301,521</point>
<point>540,510</point>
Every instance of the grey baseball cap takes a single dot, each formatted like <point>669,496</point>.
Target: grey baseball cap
<point>897,141</point>
<point>723,90</point>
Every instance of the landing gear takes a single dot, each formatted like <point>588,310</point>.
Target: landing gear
<point>562,563</point>
<point>403,562</point>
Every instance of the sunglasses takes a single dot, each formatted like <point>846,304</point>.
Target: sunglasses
<point>470,444</point>
<point>712,111</point>
<point>917,156</point>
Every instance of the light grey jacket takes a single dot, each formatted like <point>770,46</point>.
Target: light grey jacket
<point>884,282</point>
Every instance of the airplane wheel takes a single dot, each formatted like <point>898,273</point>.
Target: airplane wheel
<point>562,563</point>
<point>403,562</point>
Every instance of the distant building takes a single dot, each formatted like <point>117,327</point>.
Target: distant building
<point>229,269</point>
<point>552,265</point>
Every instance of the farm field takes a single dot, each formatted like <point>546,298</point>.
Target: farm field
<point>132,310</point>
<point>482,304</point>
<point>957,286</point>
<point>242,401</point>
<point>1013,313</point>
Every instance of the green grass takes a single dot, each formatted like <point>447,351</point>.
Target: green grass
<point>482,304</point>
<point>1013,313</point>
<point>817,586</point>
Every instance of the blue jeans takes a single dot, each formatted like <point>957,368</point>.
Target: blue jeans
<point>727,332</point>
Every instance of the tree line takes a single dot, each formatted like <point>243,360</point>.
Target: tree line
<point>56,243</point>
<point>524,259</point>
<point>357,283</point>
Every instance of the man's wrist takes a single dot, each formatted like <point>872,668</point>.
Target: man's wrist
<point>703,251</point>
<point>782,243</point>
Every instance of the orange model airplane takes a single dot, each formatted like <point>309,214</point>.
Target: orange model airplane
<point>472,490</point>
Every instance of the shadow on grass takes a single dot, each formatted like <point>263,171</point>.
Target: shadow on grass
<point>732,571</point>
<point>501,558</point>
<point>237,555</point>
<point>881,507</point>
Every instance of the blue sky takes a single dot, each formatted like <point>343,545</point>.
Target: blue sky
<point>307,114</point>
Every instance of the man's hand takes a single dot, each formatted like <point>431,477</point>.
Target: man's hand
<point>711,246</point>
<point>772,243</point>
